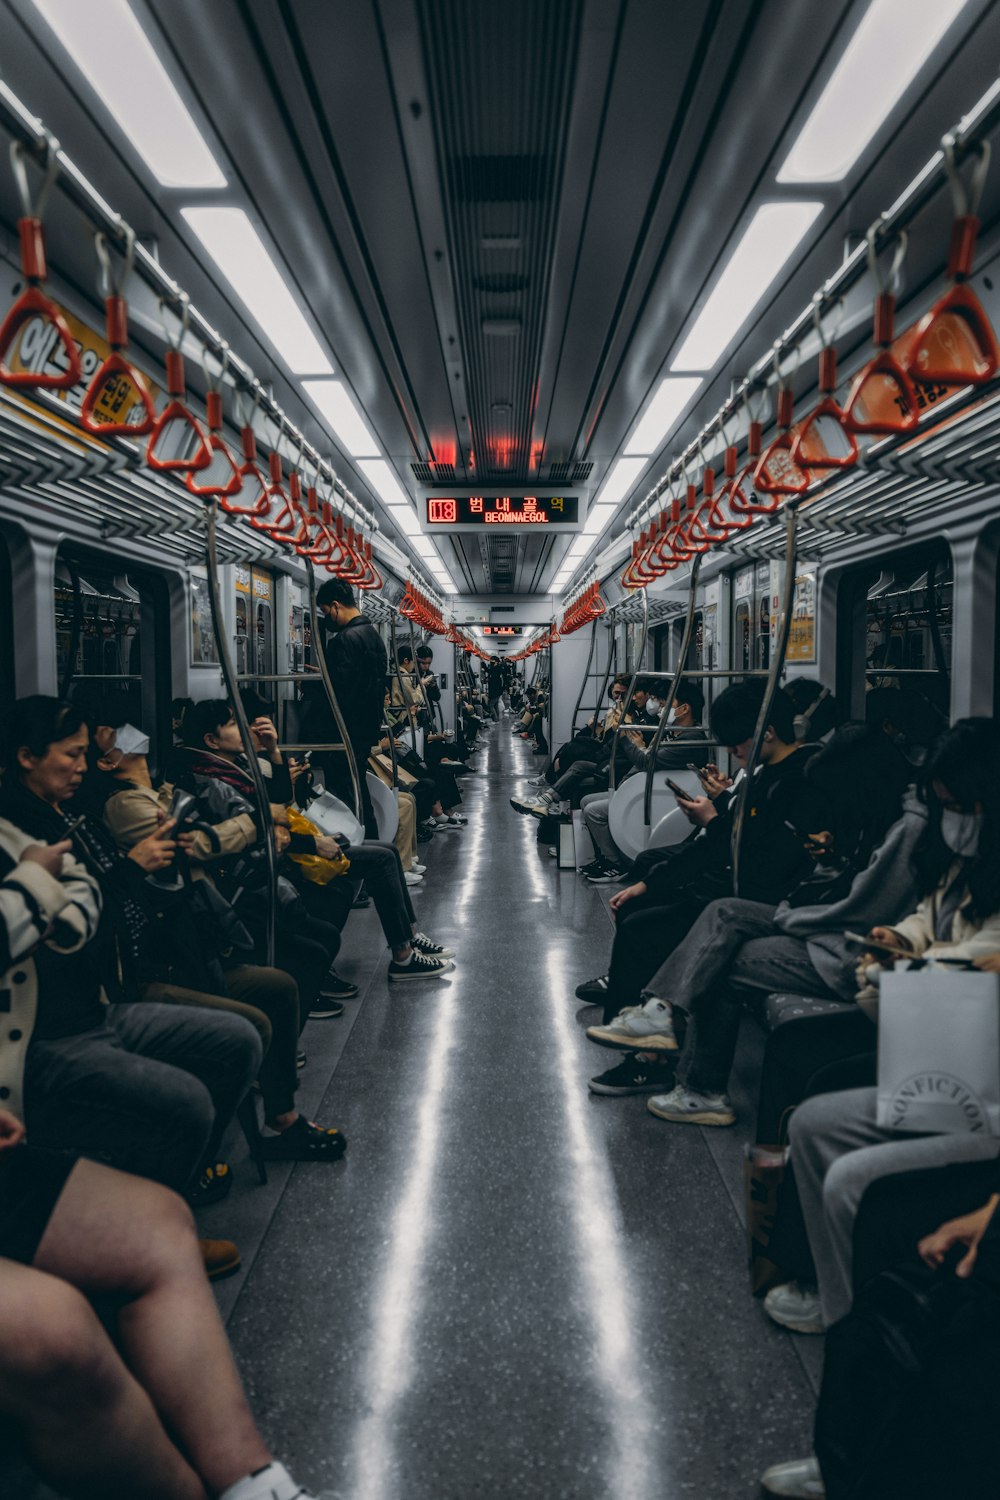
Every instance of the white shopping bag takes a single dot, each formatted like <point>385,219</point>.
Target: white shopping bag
<point>939,1051</point>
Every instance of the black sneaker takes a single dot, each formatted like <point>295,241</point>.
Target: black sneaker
<point>418,966</point>
<point>337,988</point>
<point>606,875</point>
<point>361,900</point>
<point>324,1009</point>
<point>594,868</point>
<point>425,831</point>
<point>633,1077</point>
<point>423,945</point>
<point>213,1184</point>
<point>594,991</point>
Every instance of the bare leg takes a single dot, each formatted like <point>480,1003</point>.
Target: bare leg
<point>114,1233</point>
<point>90,1428</point>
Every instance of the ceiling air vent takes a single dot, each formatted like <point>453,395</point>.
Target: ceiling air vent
<point>581,472</point>
<point>500,179</point>
<point>559,473</point>
<point>443,471</point>
<point>422,473</point>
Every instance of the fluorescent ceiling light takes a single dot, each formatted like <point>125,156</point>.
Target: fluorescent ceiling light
<point>767,245</point>
<point>404,518</point>
<point>599,518</point>
<point>889,47</point>
<point>384,482</point>
<point>424,547</point>
<point>620,480</point>
<point>449,587</point>
<point>662,414</point>
<point>117,57</point>
<point>240,254</point>
<point>333,401</point>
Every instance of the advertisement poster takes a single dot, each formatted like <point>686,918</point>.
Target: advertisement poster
<point>802,635</point>
<point>203,651</point>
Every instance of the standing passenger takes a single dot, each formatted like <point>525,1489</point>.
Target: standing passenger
<point>357,664</point>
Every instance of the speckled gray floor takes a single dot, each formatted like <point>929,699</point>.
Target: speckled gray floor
<point>509,1287</point>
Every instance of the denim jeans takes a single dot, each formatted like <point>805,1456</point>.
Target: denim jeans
<point>151,1091</point>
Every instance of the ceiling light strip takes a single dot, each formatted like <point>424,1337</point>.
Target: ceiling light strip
<point>18,121</point>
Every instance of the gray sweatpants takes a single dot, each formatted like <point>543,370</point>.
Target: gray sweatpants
<point>595,811</point>
<point>733,943</point>
<point>838,1151</point>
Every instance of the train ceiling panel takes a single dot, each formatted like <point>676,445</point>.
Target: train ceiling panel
<point>497,217</point>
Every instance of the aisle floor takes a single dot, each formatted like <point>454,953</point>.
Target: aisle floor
<point>509,1287</point>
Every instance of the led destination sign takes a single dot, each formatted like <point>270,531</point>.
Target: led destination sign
<point>474,511</point>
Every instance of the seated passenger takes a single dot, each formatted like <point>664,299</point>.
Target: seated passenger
<point>215,764</point>
<point>956,865</point>
<point>653,914</point>
<point>677,750</point>
<point>589,772</point>
<point>148,1087</point>
<point>796,946</point>
<point>153,1409</point>
<point>133,812</point>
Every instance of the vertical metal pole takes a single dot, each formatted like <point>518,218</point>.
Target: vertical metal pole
<point>763,718</point>
<point>586,679</point>
<point>636,672</point>
<point>352,764</point>
<point>647,801</point>
<point>411,723</point>
<point>249,750</point>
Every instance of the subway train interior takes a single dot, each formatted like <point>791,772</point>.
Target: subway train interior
<point>499,652</point>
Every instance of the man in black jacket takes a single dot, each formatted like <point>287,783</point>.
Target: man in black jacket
<point>357,663</point>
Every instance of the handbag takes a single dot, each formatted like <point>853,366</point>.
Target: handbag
<point>335,818</point>
<point>939,1051</point>
<point>315,867</point>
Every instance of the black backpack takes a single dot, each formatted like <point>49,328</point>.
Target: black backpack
<point>910,1401</point>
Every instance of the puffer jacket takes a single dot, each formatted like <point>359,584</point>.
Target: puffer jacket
<point>62,912</point>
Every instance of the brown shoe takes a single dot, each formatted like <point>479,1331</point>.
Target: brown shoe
<point>221,1258</point>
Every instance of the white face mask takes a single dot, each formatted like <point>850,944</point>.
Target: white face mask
<point>131,741</point>
<point>672,716</point>
<point>961,831</point>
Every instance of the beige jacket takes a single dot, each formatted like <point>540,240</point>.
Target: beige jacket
<point>35,907</point>
<point>132,815</point>
<point>968,939</point>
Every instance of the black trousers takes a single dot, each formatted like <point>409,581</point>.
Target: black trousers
<point>646,933</point>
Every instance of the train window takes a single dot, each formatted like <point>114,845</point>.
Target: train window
<point>262,651</point>
<point>112,638</point>
<point>741,636</point>
<point>899,613</point>
<point>242,634</point>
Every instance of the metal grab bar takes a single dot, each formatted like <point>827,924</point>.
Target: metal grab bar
<point>627,701</point>
<point>777,667</point>
<point>331,696</point>
<point>685,646</point>
<point>404,703</point>
<point>239,714</point>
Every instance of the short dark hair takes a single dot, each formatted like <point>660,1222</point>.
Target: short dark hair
<point>38,722</point>
<point>689,692</point>
<point>424,653</point>
<point>645,684</point>
<point>403,654</point>
<point>206,717</point>
<point>734,713</point>
<point>810,697</point>
<point>335,591</point>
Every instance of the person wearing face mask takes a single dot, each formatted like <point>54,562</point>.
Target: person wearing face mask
<point>842,1159</point>
<point>588,771</point>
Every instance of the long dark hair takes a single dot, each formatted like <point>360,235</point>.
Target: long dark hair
<point>966,760</point>
<point>864,776</point>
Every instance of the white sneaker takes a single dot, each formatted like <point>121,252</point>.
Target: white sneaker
<point>649,1027</point>
<point>684,1107</point>
<point>798,1480</point>
<point>412,878</point>
<point>418,869</point>
<point>796,1307</point>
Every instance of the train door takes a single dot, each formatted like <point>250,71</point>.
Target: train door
<point>241,583</point>
<point>762,616</point>
<point>112,639</point>
<point>743,618</point>
<point>262,642</point>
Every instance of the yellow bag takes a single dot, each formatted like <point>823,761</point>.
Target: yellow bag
<point>313,866</point>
